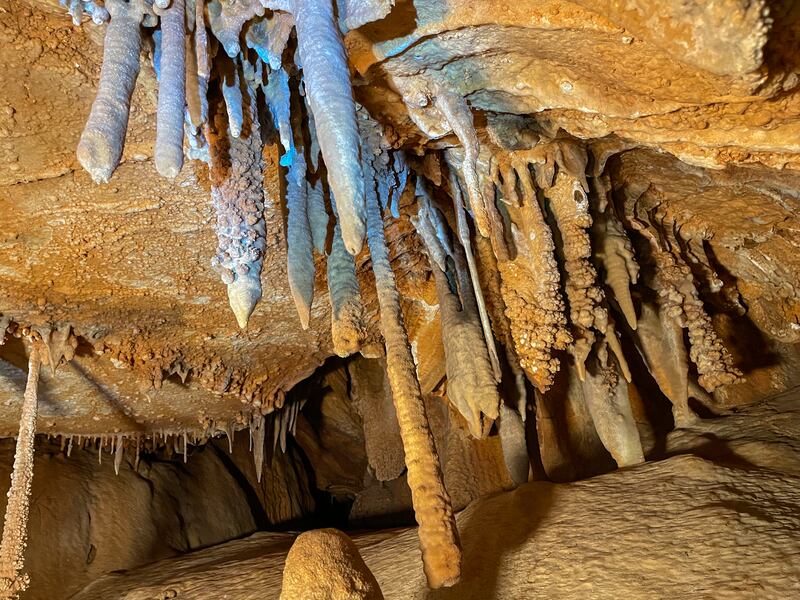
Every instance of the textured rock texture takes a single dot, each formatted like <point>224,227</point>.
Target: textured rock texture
<point>720,521</point>
<point>324,564</point>
<point>94,256</point>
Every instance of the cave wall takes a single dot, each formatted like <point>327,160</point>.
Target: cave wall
<point>86,520</point>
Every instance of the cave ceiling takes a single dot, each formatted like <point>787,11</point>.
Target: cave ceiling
<point>698,129</point>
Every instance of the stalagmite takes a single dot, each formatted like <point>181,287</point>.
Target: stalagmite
<point>471,385</point>
<point>570,206</point>
<point>15,524</point>
<point>171,91</point>
<point>102,140</point>
<point>347,321</point>
<point>330,97</point>
<point>441,553</point>
<point>238,196</point>
<point>325,564</point>
<point>300,250</point>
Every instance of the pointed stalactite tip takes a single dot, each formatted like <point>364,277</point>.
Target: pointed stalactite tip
<point>243,295</point>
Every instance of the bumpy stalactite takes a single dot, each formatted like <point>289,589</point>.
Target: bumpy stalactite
<point>171,91</point>
<point>570,206</point>
<point>300,250</point>
<point>103,138</point>
<point>330,98</point>
<point>348,330</point>
<point>238,196</point>
<point>470,379</point>
<point>679,297</point>
<point>530,285</point>
<point>441,553</point>
<point>15,524</point>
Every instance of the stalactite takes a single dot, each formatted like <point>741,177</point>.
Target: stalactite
<point>232,92</point>
<point>227,19</point>
<point>171,91</point>
<point>318,218</point>
<point>511,428</point>
<point>462,228</point>
<point>355,13</point>
<point>607,400</point>
<point>300,251</point>
<point>679,298</point>
<point>660,342</point>
<point>238,196</point>
<point>348,330</point>
<point>530,288</point>
<point>471,385</point>
<point>103,138</point>
<point>570,206</point>
<point>58,345</point>
<point>459,117</point>
<point>330,98</point>
<point>441,553</point>
<point>119,453</point>
<point>15,524</point>
<point>279,101</point>
<point>269,36</point>
<point>621,270</point>
<point>257,433</point>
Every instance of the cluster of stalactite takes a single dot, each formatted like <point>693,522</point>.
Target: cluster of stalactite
<point>526,245</point>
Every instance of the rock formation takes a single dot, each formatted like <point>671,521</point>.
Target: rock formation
<point>581,232</point>
<point>325,564</point>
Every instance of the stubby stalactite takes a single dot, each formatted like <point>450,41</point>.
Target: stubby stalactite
<point>103,138</point>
